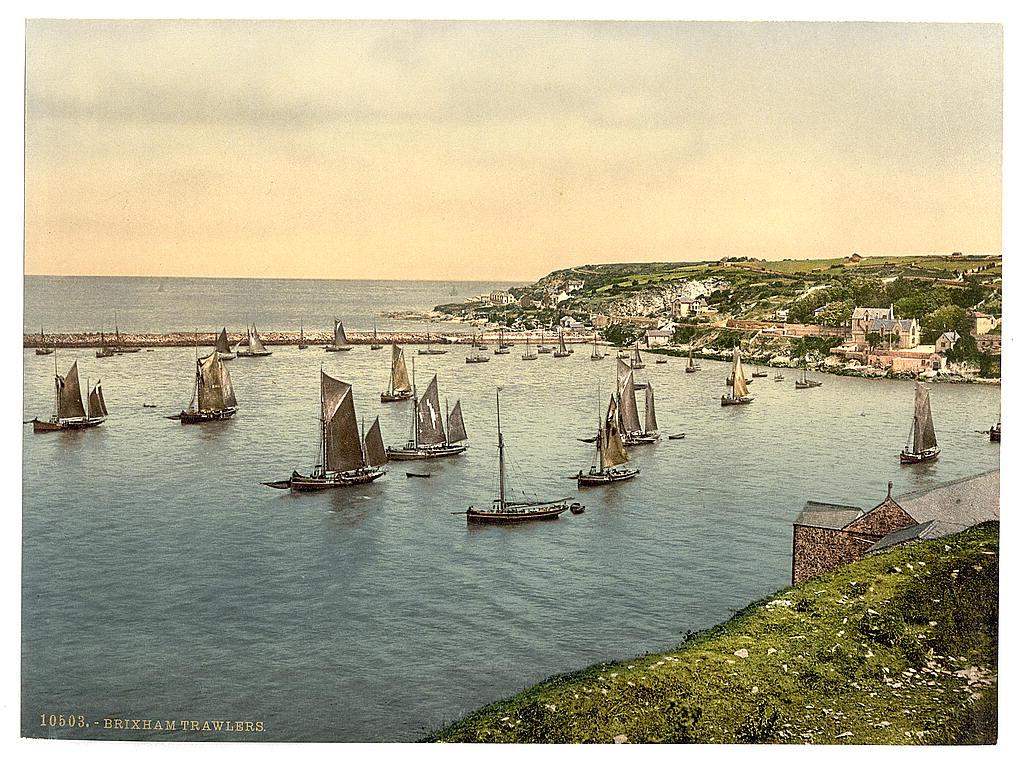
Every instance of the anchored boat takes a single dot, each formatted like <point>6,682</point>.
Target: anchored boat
<point>44,349</point>
<point>921,445</point>
<point>429,437</point>
<point>251,345</point>
<point>737,394</point>
<point>502,348</point>
<point>344,458</point>
<point>629,417</point>
<point>399,387</point>
<point>477,354</point>
<point>70,412</point>
<point>611,453</point>
<point>529,354</point>
<point>561,351</point>
<point>803,382</point>
<point>503,511</point>
<point>596,354</point>
<point>223,347</point>
<point>302,339</point>
<point>341,343</point>
<point>637,363</point>
<point>213,398</point>
<point>375,345</point>
<point>690,366</point>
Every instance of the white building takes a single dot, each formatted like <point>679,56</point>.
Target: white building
<point>502,298</point>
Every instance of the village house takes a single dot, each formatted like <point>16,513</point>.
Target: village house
<point>983,323</point>
<point>570,323</point>
<point>989,343</point>
<point>827,536</point>
<point>501,298</point>
<point>946,341</point>
<point>573,285</point>
<point>862,318</point>
<point>684,306</point>
<point>657,338</point>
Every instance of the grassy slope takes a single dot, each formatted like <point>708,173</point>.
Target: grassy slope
<point>899,648</point>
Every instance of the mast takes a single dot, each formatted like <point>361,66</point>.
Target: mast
<point>415,409</point>
<point>323,427</point>
<point>501,454</point>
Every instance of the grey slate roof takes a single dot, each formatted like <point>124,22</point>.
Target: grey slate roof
<point>885,325</point>
<point>965,502</point>
<point>833,516</point>
<point>869,313</point>
<point>925,531</point>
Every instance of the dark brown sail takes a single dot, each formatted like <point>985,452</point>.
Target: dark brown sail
<point>222,342</point>
<point>924,430</point>
<point>650,419</point>
<point>629,416</point>
<point>373,446</point>
<point>342,448</point>
<point>69,395</point>
<point>429,428</point>
<point>456,426</point>
<point>97,407</point>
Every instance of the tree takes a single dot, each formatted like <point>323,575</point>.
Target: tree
<point>965,350</point>
<point>836,314</point>
<point>874,340</point>
<point>945,318</point>
<point>622,335</point>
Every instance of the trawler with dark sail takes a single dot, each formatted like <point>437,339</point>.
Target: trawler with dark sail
<point>504,511</point>
<point>529,354</point>
<point>118,347</point>
<point>637,363</point>
<point>631,431</point>
<point>341,343</point>
<point>223,347</point>
<point>430,439</point>
<point>561,351</point>
<point>344,457</point>
<point>251,345</point>
<point>737,384</point>
<point>803,382</point>
<point>44,349</point>
<point>921,445</point>
<point>611,453</point>
<point>213,398</point>
<point>70,412</point>
<point>399,387</point>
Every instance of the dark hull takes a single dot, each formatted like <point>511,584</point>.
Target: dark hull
<point>375,347</point>
<point>605,477</point>
<point>727,400</point>
<point>303,483</point>
<point>807,384</point>
<point>502,351</point>
<point>472,360</point>
<point>926,457</point>
<point>513,514</point>
<point>395,396</point>
<point>640,439</point>
<point>101,353</point>
<point>431,351</point>
<point>86,423</point>
<point>994,435</point>
<point>759,375</point>
<point>660,362</point>
<point>333,348</point>
<point>44,351</point>
<point>203,416</point>
<point>596,357</point>
<point>529,356</point>
<point>423,453</point>
<point>561,354</point>
<point>253,354</point>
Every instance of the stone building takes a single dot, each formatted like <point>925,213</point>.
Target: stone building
<point>946,341</point>
<point>501,298</point>
<point>827,536</point>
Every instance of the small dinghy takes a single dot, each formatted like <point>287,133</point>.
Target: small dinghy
<point>677,436</point>
<point>411,474</point>
<point>577,508</point>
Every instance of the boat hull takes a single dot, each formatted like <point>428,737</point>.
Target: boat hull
<point>305,484</point>
<point>423,453</point>
<point>640,439</point>
<point>926,457</point>
<point>375,347</point>
<point>44,351</point>
<point>994,435</point>
<point>395,396</point>
<point>333,348</point>
<point>807,384</point>
<point>253,354</point>
<point>605,477</point>
<point>561,354</point>
<point>226,355</point>
<point>502,351</point>
<point>727,400</point>
<point>515,513</point>
<point>85,423</point>
<point>204,416</point>
<point>472,360</point>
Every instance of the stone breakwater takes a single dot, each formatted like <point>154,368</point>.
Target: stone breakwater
<point>151,340</point>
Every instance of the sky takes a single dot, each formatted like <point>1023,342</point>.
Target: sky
<point>502,150</point>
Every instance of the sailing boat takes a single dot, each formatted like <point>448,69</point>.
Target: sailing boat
<point>252,345</point>
<point>430,349</point>
<point>213,398</point>
<point>104,350</point>
<point>118,349</point>
<point>340,339</point>
<point>637,363</point>
<point>70,412</point>
<point>344,458</point>
<point>737,383</point>
<point>541,348</point>
<point>691,367</point>
<point>611,453</point>
<point>921,445</point>
<point>398,384</point>
<point>375,346</point>
<point>804,382</point>
<point>529,354</point>
<point>429,439</point>
<point>223,347</point>
<point>477,355</point>
<point>302,339</point>
<point>561,351</point>
<point>44,349</point>
<point>779,377</point>
<point>629,417</point>
<point>503,348</point>
<point>758,373</point>
<point>596,354</point>
<point>503,511</point>
<point>995,434</point>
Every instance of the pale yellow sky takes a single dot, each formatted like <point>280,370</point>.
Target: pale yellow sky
<point>502,150</point>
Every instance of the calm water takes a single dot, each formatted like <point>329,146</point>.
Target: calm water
<point>161,580</point>
<point>162,305</point>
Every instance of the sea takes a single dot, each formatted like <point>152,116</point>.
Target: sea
<point>162,581</point>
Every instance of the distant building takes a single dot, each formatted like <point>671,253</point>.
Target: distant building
<point>657,338</point>
<point>863,316</point>
<point>895,333</point>
<point>856,258</point>
<point>819,311</point>
<point>501,298</point>
<point>573,285</point>
<point>528,303</point>
<point>684,306</point>
<point>827,536</point>
<point>983,323</point>
<point>570,323</point>
<point>988,343</point>
<point>946,341</point>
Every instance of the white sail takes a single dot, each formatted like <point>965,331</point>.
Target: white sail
<point>739,384</point>
<point>399,373</point>
<point>255,344</point>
